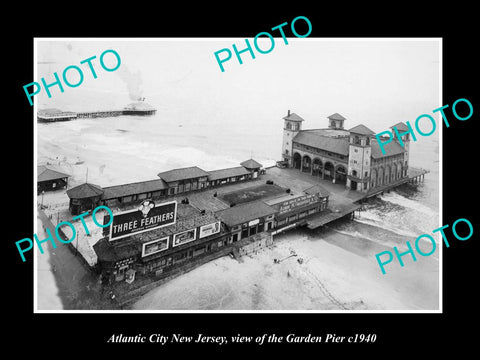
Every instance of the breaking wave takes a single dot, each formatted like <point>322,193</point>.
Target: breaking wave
<point>391,219</point>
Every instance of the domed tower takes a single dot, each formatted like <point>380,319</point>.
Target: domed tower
<point>291,127</point>
<point>359,158</point>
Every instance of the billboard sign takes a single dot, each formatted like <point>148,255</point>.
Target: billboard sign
<point>184,237</point>
<point>298,202</point>
<point>210,229</point>
<point>148,216</point>
<point>154,246</point>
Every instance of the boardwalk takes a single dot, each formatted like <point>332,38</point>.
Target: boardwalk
<point>328,216</point>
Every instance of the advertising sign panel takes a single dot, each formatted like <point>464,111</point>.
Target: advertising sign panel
<point>209,229</point>
<point>154,246</point>
<point>298,202</point>
<point>147,217</point>
<point>184,237</point>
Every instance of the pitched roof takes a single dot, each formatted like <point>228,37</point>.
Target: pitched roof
<point>362,130</point>
<point>242,213</point>
<point>293,117</point>
<point>335,145</point>
<point>85,190</point>
<point>45,173</point>
<point>401,126</point>
<point>182,174</point>
<point>227,173</point>
<point>107,251</point>
<point>116,191</point>
<point>317,189</point>
<point>391,148</point>
<point>336,116</point>
<point>251,164</point>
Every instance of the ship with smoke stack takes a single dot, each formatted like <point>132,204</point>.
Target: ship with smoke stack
<point>140,108</point>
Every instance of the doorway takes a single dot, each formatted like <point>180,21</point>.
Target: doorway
<point>354,185</point>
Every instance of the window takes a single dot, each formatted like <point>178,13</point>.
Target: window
<point>354,172</point>
<point>368,141</point>
<point>366,173</point>
<point>286,151</point>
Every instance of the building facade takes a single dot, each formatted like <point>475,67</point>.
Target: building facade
<point>174,182</point>
<point>196,236</point>
<point>350,157</point>
<point>50,179</point>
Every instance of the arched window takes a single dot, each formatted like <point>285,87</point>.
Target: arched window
<point>354,172</point>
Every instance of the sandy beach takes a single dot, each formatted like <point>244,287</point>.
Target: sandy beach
<point>330,278</point>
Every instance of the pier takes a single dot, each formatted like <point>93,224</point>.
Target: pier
<point>99,114</point>
<point>342,202</point>
<point>138,108</point>
<point>414,176</point>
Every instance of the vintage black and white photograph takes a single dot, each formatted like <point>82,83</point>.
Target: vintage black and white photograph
<point>291,181</point>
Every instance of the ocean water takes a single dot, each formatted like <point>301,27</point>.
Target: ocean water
<point>400,215</point>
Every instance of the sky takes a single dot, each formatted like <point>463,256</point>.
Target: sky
<point>375,82</point>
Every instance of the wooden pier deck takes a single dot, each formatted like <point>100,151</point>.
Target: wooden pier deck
<point>97,114</point>
<point>342,202</point>
<point>52,115</point>
<point>414,176</point>
<point>328,216</point>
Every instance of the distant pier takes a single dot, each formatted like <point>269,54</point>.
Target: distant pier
<point>52,115</point>
<point>99,114</point>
